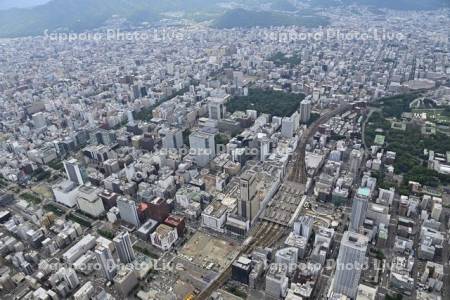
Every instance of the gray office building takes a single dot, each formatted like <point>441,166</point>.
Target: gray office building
<point>74,172</point>
<point>128,211</point>
<point>248,205</point>
<point>106,261</point>
<point>124,247</point>
<point>359,209</point>
<point>305,111</point>
<point>349,264</point>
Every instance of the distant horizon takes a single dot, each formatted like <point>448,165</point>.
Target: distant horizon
<point>8,4</point>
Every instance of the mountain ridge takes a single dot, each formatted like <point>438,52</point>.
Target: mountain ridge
<point>81,15</point>
<point>245,18</point>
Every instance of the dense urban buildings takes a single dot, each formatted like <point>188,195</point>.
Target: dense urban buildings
<point>254,162</point>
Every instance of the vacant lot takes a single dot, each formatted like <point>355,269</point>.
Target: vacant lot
<point>204,250</point>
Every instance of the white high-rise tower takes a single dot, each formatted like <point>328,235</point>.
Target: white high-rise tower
<point>350,263</point>
<point>305,111</point>
<point>359,208</point>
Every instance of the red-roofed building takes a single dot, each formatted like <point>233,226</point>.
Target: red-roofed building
<point>177,222</point>
<point>159,209</point>
<point>143,211</point>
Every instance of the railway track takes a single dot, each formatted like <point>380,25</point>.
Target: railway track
<point>298,173</point>
<point>265,235</point>
<point>262,242</point>
<point>268,233</point>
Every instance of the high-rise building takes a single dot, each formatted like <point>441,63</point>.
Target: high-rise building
<point>240,269</point>
<point>130,118</point>
<point>436,211</point>
<point>106,261</point>
<point>111,166</point>
<point>91,119</point>
<point>89,201</point>
<point>277,281</point>
<point>158,209</point>
<point>39,120</point>
<point>164,237</point>
<point>305,111</point>
<point>287,127</point>
<point>108,198</point>
<point>172,138</point>
<point>70,277</point>
<point>125,281</point>
<point>359,208</point>
<point>264,148</point>
<point>216,108</point>
<point>349,264</point>
<point>74,172</point>
<point>136,91</point>
<point>248,205</point>
<point>105,137</point>
<point>203,146</point>
<point>355,161</point>
<point>386,197</point>
<point>124,247</point>
<point>7,283</point>
<point>303,226</point>
<point>287,256</point>
<point>128,211</point>
<point>66,192</point>
<point>87,291</point>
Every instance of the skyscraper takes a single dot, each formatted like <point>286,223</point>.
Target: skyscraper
<point>172,138</point>
<point>136,91</point>
<point>305,111</point>
<point>70,277</point>
<point>124,247</point>
<point>355,161</point>
<point>39,120</point>
<point>287,256</point>
<point>130,118</point>
<point>303,226</point>
<point>203,146</point>
<point>289,125</point>
<point>277,281</point>
<point>216,108</point>
<point>359,208</point>
<point>106,261</point>
<point>350,263</point>
<point>248,205</point>
<point>74,172</point>
<point>128,211</point>
<point>264,149</point>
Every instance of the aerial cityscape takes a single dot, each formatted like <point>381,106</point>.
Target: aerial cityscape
<point>221,150</point>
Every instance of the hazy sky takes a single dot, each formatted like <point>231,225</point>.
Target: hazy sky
<point>5,4</point>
